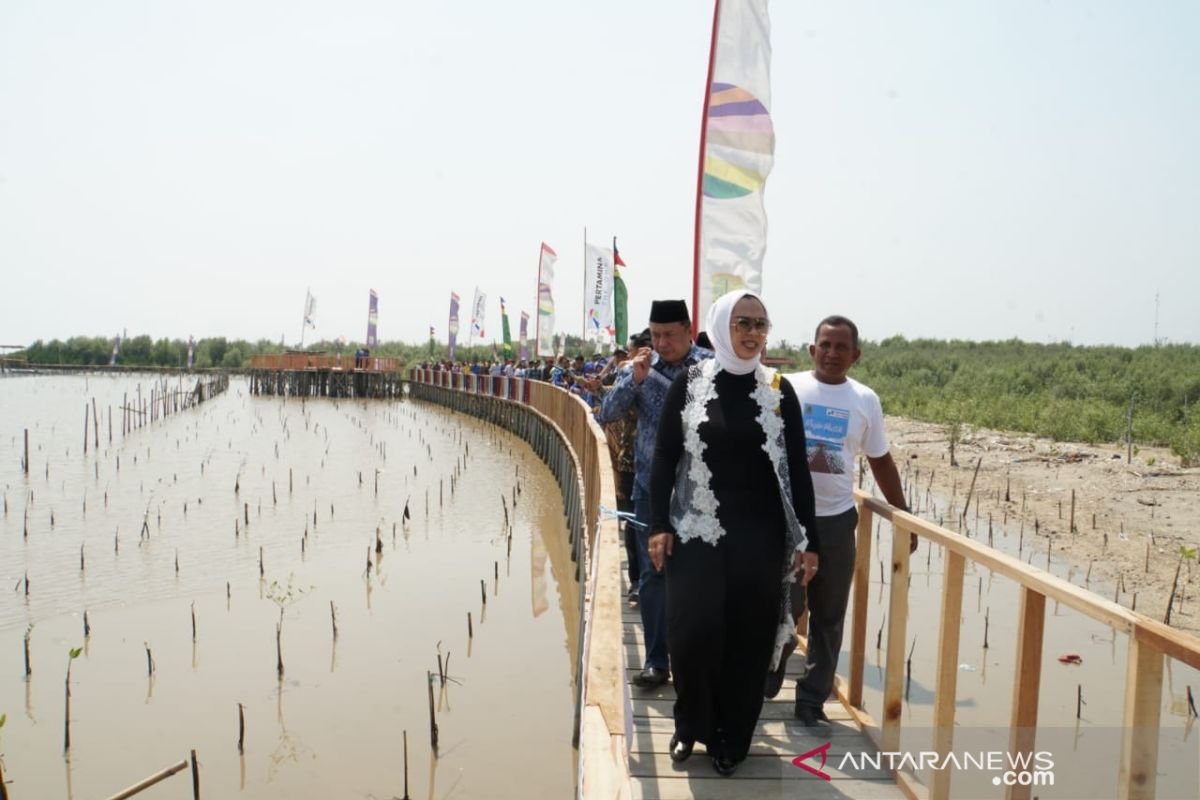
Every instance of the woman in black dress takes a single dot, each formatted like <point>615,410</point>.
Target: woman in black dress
<point>732,521</point>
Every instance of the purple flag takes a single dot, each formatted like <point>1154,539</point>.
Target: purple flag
<point>372,318</point>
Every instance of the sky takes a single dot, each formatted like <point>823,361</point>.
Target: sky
<point>980,170</point>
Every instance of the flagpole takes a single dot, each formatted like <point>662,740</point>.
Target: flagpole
<point>585,287</point>
<point>712,57</point>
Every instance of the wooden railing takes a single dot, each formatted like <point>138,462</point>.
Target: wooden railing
<point>300,361</point>
<point>603,748</point>
<point>1150,642</point>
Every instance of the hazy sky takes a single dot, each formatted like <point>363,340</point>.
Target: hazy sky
<point>976,170</point>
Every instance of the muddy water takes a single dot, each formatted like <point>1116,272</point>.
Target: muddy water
<point>161,517</point>
<point>1085,744</point>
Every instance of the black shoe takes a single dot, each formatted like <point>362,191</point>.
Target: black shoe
<point>681,749</point>
<point>811,717</point>
<point>724,766</point>
<point>774,680</point>
<point>633,598</point>
<point>650,678</point>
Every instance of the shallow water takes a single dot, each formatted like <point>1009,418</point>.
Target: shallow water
<point>161,517</point>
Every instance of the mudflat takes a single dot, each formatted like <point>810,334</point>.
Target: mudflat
<point>1134,521</point>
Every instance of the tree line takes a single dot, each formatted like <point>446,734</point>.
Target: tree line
<point>1059,391</point>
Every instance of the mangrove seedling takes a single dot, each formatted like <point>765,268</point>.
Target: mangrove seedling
<point>283,597</point>
<point>72,654</point>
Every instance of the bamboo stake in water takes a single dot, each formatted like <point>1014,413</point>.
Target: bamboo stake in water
<point>406,797</point>
<point>157,777</point>
<point>433,726</point>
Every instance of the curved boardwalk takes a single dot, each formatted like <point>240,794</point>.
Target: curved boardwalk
<point>624,732</point>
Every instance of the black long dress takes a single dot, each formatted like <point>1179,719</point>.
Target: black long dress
<point>723,601</point>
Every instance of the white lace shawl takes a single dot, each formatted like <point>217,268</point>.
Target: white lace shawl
<point>694,505</point>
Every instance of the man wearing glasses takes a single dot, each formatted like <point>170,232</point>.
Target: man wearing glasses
<point>842,418</point>
<point>643,383</point>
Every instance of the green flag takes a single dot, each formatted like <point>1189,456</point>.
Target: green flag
<point>620,308</point>
<point>508,348</point>
<point>620,299</point>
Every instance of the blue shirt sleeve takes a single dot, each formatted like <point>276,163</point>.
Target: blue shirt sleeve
<point>619,399</point>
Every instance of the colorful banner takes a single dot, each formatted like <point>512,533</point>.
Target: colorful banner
<point>508,351</point>
<point>112,362</point>
<point>478,309</point>
<point>545,301</point>
<point>620,300</point>
<point>737,151</point>
<point>452,328</point>
<point>598,289</point>
<point>524,337</point>
<point>432,341</point>
<point>191,352</point>
<point>372,319</point>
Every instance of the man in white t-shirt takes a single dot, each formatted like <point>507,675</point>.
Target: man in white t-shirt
<point>842,418</point>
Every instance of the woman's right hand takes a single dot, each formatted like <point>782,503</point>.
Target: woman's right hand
<point>660,546</point>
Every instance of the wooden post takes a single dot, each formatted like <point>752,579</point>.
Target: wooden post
<point>893,680</point>
<point>1139,730</point>
<point>1027,680</point>
<point>195,778</point>
<point>947,671</point>
<point>27,451</point>
<point>858,622</point>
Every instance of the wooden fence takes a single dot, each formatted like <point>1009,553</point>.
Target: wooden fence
<point>1150,642</point>
<point>314,361</point>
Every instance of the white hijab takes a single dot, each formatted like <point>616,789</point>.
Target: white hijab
<point>719,314</point>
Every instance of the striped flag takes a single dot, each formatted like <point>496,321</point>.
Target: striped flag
<point>737,151</point>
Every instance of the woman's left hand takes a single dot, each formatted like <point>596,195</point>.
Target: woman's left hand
<point>805,565</point>
<point>660,546</point>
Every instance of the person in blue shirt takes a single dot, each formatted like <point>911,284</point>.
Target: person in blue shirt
<point>644,383</point>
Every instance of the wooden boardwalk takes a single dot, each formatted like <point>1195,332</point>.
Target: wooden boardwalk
<point>768,772</point>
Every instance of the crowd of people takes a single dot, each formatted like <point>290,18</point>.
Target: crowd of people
<point>736,487</point>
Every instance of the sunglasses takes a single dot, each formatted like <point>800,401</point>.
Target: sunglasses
<point>759,325</point>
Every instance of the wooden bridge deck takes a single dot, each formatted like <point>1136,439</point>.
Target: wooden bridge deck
<point>768,772</point>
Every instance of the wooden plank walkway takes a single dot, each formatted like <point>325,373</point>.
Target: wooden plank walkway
<point>768,771</point>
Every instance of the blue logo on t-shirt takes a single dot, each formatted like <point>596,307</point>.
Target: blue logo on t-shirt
<point>825,429</point>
